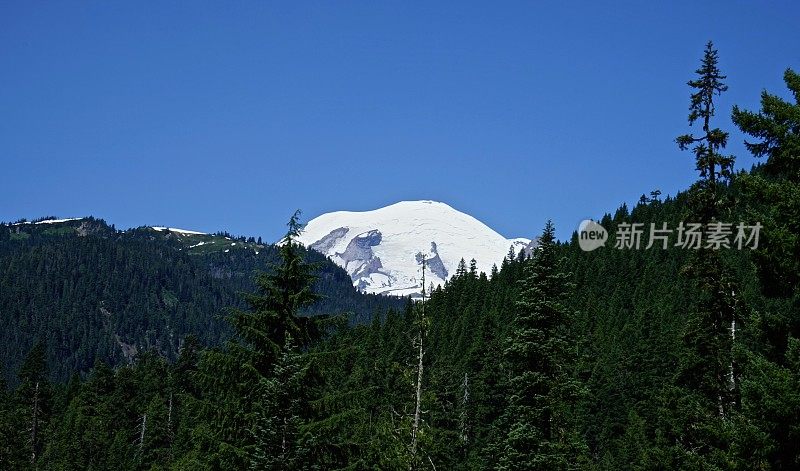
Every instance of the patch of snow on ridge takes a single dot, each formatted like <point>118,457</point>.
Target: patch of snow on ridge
<point>56,221</point>
<point>49,221</point>
<point>179,231</point>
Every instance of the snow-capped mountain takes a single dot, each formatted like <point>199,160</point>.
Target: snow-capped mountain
<point>382,249</point>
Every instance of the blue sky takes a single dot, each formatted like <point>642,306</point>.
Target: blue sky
<point>229,115</point>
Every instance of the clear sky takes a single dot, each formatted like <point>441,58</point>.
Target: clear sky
<point>229,115</point>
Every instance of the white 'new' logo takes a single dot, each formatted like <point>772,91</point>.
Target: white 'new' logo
<point>591,235</point>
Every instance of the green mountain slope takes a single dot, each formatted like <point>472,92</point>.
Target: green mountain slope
<point>91,293</point>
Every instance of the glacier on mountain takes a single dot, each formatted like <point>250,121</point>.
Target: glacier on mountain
<point>382,249</point>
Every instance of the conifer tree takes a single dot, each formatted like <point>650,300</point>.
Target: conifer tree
<point>279,415</point>
<point>707,364</point>
<point>12,449</point>
<point>771,378</point>
<point>35,395</point>
<point>461,271</point>
<point>776,195</point>
<point>473,269</point>
<point>246,379</point>
<point>710,163</point>
<point>511,255</point>
<point>538,356</point>
<point>84,438</point>
<point>706,377</point>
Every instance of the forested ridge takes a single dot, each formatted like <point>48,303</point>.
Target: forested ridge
<point>91,293</point>
<point>558,359</point>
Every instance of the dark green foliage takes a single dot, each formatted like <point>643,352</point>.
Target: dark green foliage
<point>774,194</point>
<point>697,409</point>
<point>771,373</point>
<point>343,401</point>
<point>253,389</point>
<point>92,293</point>
<point>538,358</point>
<point>710,163</point>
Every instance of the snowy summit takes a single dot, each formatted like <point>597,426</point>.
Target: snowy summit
<point>382,249</point>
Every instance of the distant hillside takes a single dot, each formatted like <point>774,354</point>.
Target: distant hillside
<point>92,293</point>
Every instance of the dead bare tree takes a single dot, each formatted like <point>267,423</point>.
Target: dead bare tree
<point>35,422</point>
<point>413,463</point>
<point>463,432</point>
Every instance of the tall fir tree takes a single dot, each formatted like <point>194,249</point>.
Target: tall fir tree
<point>711,164</point>
<point>697,409</point>
<point>709,336</point>
<point>256,372</point>
<point>539,357</point>
<point>35,394</point>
